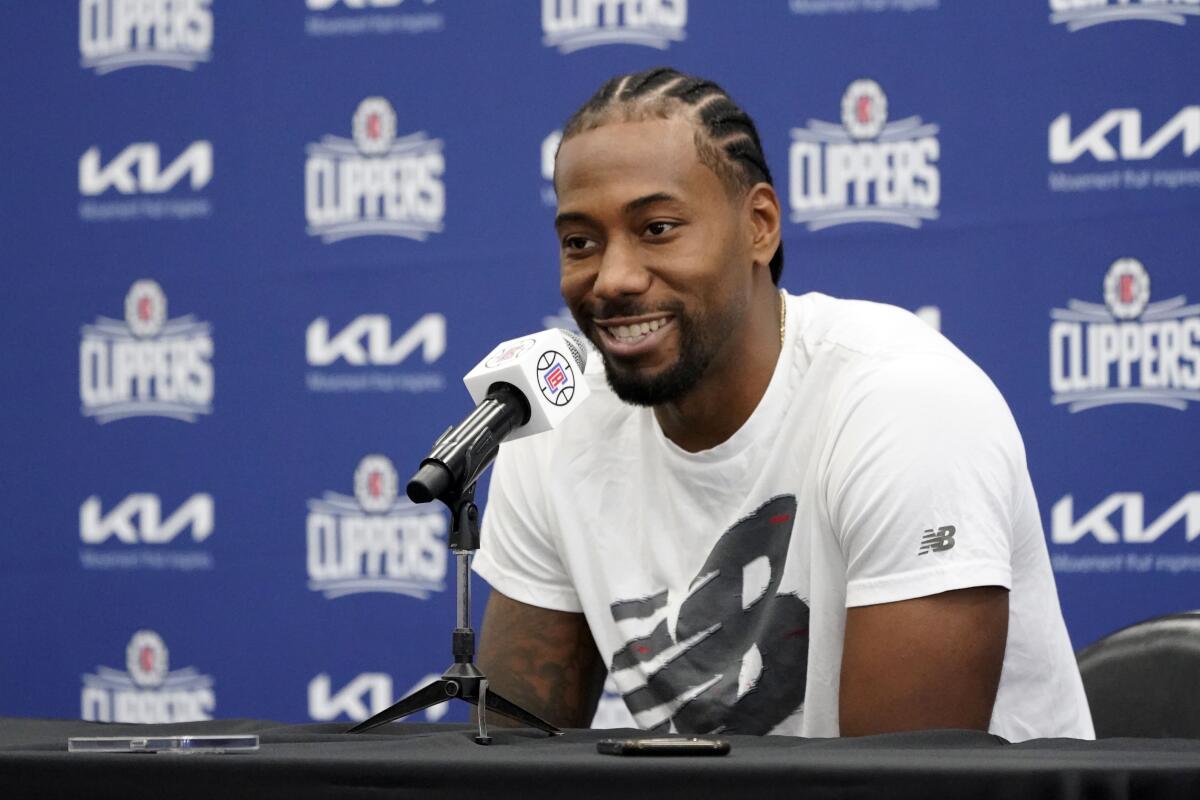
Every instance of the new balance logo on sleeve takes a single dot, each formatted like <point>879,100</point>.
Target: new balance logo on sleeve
<point>937,541</point>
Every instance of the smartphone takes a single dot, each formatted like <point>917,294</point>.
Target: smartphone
<point>675,746</point>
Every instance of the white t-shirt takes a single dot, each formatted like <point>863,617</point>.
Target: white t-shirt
<point>880,465</point>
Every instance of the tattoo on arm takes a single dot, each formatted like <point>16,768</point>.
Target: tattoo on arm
<point>544,661</point>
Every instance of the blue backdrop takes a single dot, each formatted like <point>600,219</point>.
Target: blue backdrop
<point>251,247</point>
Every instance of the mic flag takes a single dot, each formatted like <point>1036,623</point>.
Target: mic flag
<point>524,386</point>
<point>546,367</point>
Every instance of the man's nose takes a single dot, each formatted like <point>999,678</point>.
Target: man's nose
<point>621,272</point>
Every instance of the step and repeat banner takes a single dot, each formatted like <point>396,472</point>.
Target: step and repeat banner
<point>250,248</point>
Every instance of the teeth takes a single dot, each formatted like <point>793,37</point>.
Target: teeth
<point>627,334</point>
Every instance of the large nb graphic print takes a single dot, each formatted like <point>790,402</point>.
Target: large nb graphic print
<point>737,658</point>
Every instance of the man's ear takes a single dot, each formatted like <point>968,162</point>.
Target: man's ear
<point>762,204</point>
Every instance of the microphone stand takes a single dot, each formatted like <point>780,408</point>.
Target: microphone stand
<point>462,680</point>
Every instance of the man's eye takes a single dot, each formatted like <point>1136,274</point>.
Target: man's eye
<point>576,243</point>
<point>659,228</point>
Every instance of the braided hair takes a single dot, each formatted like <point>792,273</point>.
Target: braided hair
<point>726,139</point>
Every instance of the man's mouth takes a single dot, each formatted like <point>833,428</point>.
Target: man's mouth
<point>631,336</point>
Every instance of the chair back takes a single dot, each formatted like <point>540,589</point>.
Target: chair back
<point>1144,680</point>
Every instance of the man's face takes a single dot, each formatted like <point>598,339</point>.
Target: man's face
<point>655,255</point>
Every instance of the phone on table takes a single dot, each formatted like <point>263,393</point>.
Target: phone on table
<point>665,746</point>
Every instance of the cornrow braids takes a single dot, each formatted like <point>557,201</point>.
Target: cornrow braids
<point>646,82</point>
<point>727,140</point>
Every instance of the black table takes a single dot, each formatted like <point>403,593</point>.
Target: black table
<point>418,760</point>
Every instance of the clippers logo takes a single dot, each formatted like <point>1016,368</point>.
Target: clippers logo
<point>147,365</point>
<point>732,655</point>
<point>1080,14</point>
<point>572,25</point>
<point>1132,528</point>
<point>1127,350</point>
<point>556,378</point>
<point>374,184</point>
<point>937,541</point>
<point>365,696</point>
<point>361,17</point>
<point>367,342</point>
<point>147,692</point>
<point>1130,145</point>
<point>375,541</point>
<point>865,170</point>
<point>115,34</point>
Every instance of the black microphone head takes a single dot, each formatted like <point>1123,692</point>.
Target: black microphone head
<point>430,482</point>
<point>576,346</point>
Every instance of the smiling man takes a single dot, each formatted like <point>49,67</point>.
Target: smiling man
<point>794,515</point>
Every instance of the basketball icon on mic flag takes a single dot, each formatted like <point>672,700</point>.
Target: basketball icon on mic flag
<point>556,378</point>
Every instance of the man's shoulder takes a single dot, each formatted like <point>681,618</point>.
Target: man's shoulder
<point>863,350</point>
<point>866,328</point>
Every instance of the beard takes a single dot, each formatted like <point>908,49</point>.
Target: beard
<point>700,338</point>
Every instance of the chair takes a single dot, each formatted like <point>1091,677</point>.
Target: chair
<point>1144,680</point>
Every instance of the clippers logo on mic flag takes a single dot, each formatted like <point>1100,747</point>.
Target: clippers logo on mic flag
<point>556,378</point>
<point>546,367</point>
<point>508,352</point>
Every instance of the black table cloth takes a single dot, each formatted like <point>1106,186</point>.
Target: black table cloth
<point>422,760</point>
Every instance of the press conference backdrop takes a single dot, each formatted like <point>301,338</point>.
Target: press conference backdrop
<point>251,247</point>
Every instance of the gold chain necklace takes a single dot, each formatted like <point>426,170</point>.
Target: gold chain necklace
<point>782,316</point>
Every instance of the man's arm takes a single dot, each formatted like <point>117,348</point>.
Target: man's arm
<point>929,662</point>
<point>544,661</point>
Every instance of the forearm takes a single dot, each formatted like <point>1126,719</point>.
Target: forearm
<point>544,661</point>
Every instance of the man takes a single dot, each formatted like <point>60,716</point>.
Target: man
<point>794,515</point>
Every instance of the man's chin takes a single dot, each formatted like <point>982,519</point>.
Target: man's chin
<point>640,387</point>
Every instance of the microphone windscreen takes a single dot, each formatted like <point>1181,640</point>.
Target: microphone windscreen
<point>577,347</point>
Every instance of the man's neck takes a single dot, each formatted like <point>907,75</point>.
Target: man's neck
<point>733,384</point>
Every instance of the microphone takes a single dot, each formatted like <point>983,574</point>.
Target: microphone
<point>524,386</point>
